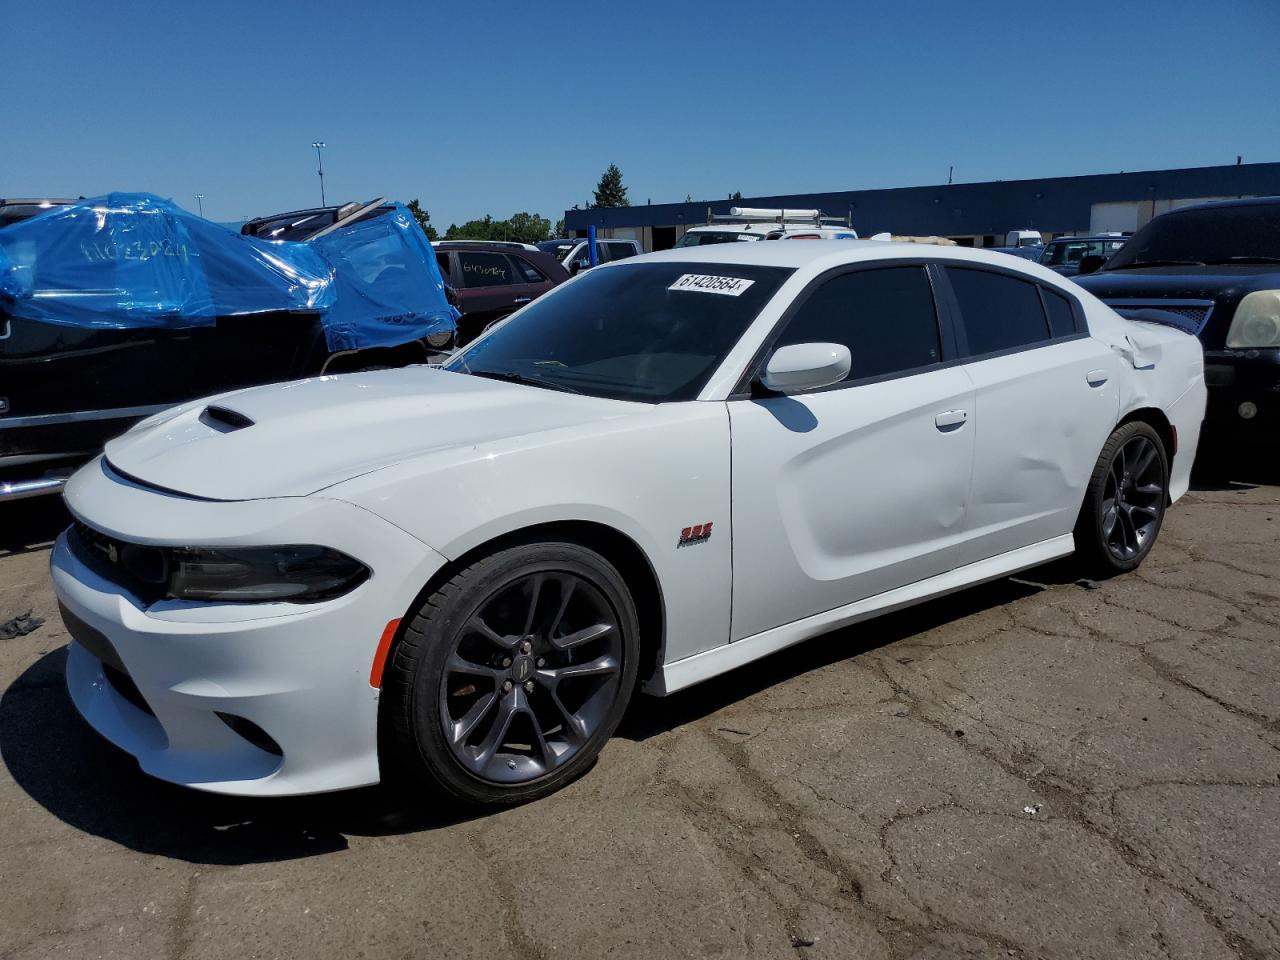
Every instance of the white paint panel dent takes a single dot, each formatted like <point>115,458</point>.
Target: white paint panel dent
<point>647,476</point>
<point>1160,367</point>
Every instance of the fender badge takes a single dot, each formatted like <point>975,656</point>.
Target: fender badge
<point>694,535</point>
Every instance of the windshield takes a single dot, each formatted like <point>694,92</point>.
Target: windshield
<point>703,237</point>
<point>650,332</point>
<point>1208,235</point>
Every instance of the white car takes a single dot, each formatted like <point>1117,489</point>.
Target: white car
<point>661,470</point>
<point>574,255</point>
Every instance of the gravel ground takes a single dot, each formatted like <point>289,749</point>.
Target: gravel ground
<point>1036,768</point>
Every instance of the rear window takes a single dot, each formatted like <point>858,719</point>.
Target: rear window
<point>527,270</point>
<point>703,237</point>
<point>1000,312</point>
<point>1062,319</point>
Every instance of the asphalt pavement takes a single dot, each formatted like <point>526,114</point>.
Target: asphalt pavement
<point>1040,767</point>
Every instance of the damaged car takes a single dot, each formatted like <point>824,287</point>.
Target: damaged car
<point>660,470</point>
<point>115,308</point>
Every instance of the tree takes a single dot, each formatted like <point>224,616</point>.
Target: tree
<point>521,228</point>
<point>736,195</point>
<point>527,228</point>
<point>472,230</point>
<point>423,218</point>
<point>609,191</point>
<point>559,228</point>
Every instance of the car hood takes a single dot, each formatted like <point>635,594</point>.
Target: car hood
<point>1213,282</point>
<point>293,439</point>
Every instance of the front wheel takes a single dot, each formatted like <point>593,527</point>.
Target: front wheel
<point>1125,502</point>
<point>511,677</point>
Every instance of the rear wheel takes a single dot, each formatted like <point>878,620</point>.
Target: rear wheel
<point>512,676</point>
<point>1125,502</point>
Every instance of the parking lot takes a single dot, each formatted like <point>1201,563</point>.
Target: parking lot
<point>1041,767</point>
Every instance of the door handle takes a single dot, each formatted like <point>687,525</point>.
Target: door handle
<point>1096,378</point>
<point>522,299</point>
<point>949,420</point>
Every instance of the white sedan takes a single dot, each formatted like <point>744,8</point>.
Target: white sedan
<point>664,469</point>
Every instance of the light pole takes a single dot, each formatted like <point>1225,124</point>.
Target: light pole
<point>200,201</point>
<point>319,144</point>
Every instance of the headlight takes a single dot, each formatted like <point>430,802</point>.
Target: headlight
<point>440,340</point>
<point>1257,322</point>
<point>301,574</point>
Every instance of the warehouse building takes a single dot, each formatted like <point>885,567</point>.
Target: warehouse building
<point>972,214</point>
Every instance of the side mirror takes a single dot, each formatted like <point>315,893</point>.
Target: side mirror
<point>806,366</point>
<point>577,267</point>
<point>1091,263</point>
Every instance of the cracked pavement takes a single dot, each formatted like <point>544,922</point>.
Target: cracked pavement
<point>1035,768</point>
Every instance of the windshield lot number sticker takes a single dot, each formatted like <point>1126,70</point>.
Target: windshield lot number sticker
<point>700,283</point>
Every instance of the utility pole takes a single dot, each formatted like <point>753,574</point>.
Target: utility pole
<point>319,144</point>
<point>950,170</point>
<point>200,201</point>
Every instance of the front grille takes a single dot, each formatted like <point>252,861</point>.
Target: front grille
<point>1195,313</point>
<point>139,569</point>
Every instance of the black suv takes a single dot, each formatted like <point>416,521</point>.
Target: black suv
<point>15,210</point>
<point>1213,269</point>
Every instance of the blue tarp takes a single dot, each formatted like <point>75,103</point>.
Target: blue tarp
<point>136,260</point>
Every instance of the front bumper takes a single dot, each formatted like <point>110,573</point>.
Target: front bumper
<point>1243,412</point>
<point>158,680</point>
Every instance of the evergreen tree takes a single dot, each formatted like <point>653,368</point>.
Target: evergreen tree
<point>609,191</point>
<point>423,218</point>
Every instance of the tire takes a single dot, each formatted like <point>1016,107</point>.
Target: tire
<point>1110,537</point>
<point>540,637</point>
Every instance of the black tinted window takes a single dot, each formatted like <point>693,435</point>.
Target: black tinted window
<point>1000,312</point>
<point>1062,322</point>
<point>885,317</point>
<point>528,271</point>
<point>485,269</point>
<point>620,251</point>
<point>1209,235</point>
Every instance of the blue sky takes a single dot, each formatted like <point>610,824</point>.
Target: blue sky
<point>488,107</point>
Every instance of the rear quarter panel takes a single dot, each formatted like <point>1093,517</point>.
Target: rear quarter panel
<point>1160,367</point>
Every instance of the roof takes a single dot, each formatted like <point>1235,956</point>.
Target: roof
<point>817,253</point>
<point>1243,202</point>
<point>1053,203</point>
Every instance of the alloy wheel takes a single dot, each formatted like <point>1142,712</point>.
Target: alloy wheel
<point>1133,498</point>
<point>530,677</point>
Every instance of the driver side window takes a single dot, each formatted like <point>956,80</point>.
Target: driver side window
<point>886,317</point>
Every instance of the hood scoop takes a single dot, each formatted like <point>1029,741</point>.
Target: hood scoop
<point>223,419</point>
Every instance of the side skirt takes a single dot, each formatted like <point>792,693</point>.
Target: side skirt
<point>703,666</point>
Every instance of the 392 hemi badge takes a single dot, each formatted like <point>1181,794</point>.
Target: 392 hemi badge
<point>692,535</point>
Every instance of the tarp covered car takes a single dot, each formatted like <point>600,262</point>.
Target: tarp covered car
<point>119,306</point>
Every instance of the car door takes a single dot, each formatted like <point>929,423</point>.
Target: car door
<point>1047,398</point>
<point>855,489</point>
<point>490,289</point>
<point>534,283</point>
